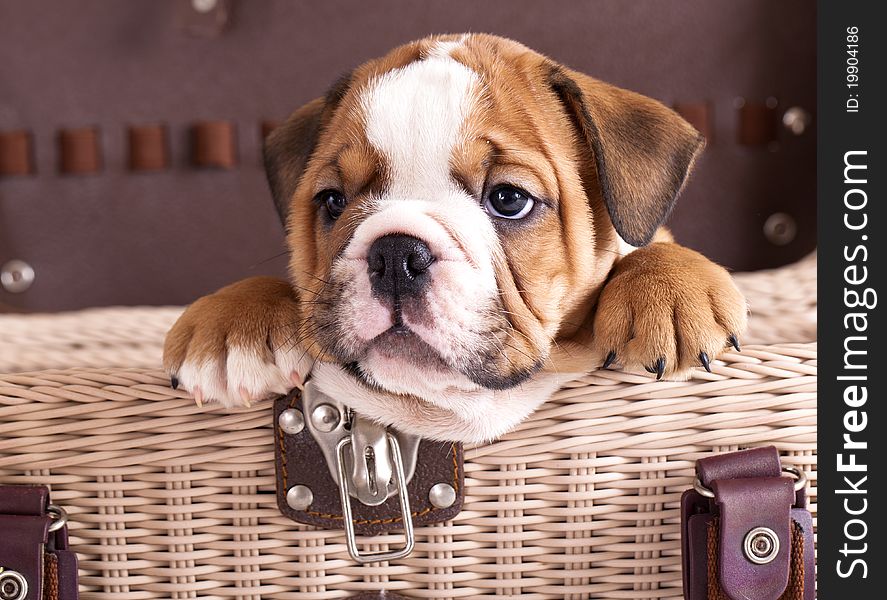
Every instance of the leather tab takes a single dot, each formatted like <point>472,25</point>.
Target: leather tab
<point>300,461</point>
<point>213,144</point>
<point>267,127</point>
<point>79,151</point>
<point>746,505</point>
<point>16,153</point>
<point>148,148</point>
<point>29,550</point>
<point>757,462</point>
<point>758,124</point>
<point>699,115</point>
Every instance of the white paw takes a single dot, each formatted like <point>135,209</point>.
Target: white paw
<point>242,376</point>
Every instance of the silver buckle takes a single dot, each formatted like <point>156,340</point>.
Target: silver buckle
<point>404,501</point>
<point>380,464</point>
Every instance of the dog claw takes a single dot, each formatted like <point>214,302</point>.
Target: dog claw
<point>703,358</point>
<point>244,397</point>
<point>660,368</point>
<point>650,369</point>
<point>734,342</point>
<point>609,360</point>
<point>198,397</point>
<point>174,382</point>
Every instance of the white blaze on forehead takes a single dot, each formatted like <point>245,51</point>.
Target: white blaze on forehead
<point>414,118</point>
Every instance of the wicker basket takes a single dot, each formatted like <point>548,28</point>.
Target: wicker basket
<point>168,500</point>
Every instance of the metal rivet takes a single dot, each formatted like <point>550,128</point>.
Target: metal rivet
<point>796,120</point>
<point>780,229</point>
<point>16,276</point>
<point>761,545</point>
<point>442,495</point>
<point>13,585</point>
<point>325,417</point>
<point>204,6</point>
<point>299,497</point>
<point>291,421</point>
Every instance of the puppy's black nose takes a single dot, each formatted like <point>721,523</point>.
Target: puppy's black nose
<point>398,265</point>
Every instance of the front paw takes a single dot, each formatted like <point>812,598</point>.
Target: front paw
<point>239,344</point>
<point>667,309</point>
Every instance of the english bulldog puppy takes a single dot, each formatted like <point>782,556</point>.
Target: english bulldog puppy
<point>469,224</point>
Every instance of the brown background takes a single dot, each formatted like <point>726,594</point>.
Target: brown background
<point>119,237</point>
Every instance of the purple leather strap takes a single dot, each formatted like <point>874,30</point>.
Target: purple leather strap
<point>23,499</point>
<point>21,548</point>
<point>27,545</point>
<point>757,462</point>
<point>746,504</point>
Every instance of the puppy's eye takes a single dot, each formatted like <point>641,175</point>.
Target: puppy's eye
<point>334,202</point>
<point>508,202</point>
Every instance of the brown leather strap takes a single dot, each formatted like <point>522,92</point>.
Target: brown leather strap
<point>299,461</point>
<point>213,144</point>
<point>50,576</point>
<point>148,148</point>
<point>16,153</point>
<point>699,115</point>
<point>80,151</point>
<point>758,124</point>
<point>267,126</point>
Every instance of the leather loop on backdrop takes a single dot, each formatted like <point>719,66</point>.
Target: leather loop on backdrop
<point>148,147</point>
<point>16,153</point>
<point>758,124</point>
<point>699,115</point>
<point>268,126</point>
<point>80,151</point>
<point>214,144</point>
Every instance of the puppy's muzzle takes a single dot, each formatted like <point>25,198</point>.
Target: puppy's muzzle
<point>398,266</point>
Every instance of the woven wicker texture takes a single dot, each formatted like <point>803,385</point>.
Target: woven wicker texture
<point>782,303</point>
<point>95,337</point>
<point>168,500</point>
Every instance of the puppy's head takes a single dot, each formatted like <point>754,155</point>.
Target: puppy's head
<point>453,209</point>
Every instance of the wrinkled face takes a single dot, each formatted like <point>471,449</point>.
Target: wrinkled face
<point>447,229</point>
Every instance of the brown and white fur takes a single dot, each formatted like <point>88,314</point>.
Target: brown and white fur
<point>413,142</point>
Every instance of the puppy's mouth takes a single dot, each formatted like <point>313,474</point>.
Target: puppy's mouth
<point>400,343</point>
<point>397,349</point>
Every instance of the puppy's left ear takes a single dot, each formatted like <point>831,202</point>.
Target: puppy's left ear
<point>642,150</point>
<point>288,149</point>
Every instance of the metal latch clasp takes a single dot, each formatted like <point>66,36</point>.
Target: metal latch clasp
<point>368,462</point>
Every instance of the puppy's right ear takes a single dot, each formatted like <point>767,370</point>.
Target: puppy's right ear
<point>288,149</point>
